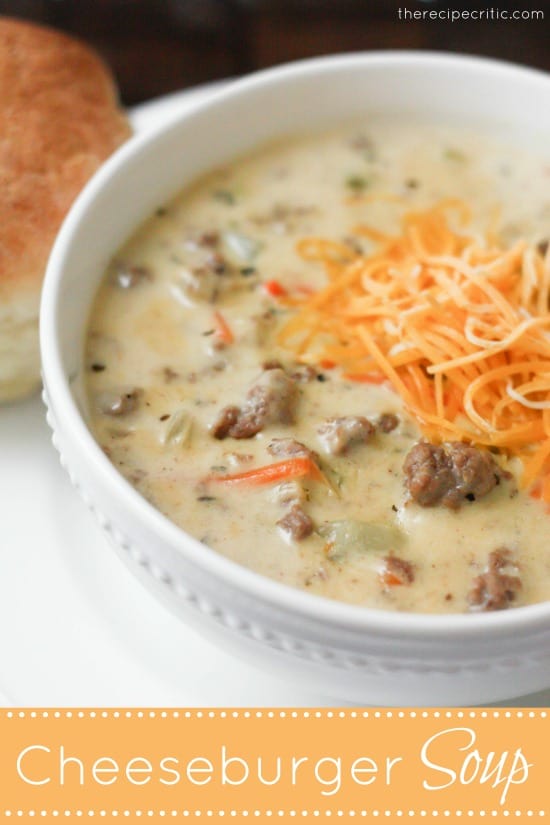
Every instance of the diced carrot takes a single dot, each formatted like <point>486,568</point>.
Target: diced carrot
<point>223,330</point>
<point>546,489</point>
<point>366,377</point>
<point>327,364</point>
<point>275,289</point>
<point>540,491</point>
<point>272,473</point>
<point>390,579</point>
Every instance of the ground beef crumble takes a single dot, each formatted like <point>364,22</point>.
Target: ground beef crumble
<point>498,586</point>
<point>296,523</point>
<point>450,474</point>
<point>290,448</point>
<point>337,435</point>
<point>270,400</point>
<point>387,422</point>
<point>396,571</point>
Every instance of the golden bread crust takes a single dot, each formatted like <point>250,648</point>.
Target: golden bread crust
<point>59,119</point>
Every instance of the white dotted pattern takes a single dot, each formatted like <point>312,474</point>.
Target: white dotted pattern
<point>275,813</point>
<point>273,714</point>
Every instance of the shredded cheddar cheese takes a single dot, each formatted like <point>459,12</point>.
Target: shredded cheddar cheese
<point>458,324</point>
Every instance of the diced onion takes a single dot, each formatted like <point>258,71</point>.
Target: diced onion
<point>178,429</point>
<point>242,246</point>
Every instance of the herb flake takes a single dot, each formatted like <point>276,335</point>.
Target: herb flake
<point>357,183</point>
<point>224,196</point>
<point>455,155</point>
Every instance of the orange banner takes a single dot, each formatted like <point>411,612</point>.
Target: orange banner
<point>460,765</point>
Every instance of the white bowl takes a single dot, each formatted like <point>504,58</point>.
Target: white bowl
<point>353,653</point>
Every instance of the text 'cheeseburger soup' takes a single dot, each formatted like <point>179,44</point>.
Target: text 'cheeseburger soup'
<point>330,362</point>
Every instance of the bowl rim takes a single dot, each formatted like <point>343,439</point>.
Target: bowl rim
<point>319,609</point>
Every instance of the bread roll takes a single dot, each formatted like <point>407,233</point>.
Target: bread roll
<point>59,119</point>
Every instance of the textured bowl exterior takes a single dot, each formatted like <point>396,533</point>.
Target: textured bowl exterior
<point>355,654</point>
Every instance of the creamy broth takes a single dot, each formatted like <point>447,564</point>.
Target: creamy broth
<point>159,371</point>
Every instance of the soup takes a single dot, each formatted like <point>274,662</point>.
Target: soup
<point>312,470</point>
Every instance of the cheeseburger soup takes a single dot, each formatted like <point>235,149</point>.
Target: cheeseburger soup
<point>309,362</point>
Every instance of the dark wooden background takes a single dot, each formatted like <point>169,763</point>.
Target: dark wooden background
<point>157,46</point>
